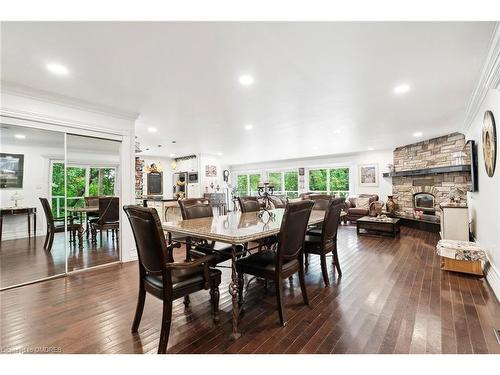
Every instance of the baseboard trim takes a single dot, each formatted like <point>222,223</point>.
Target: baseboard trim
<point>493,278</point>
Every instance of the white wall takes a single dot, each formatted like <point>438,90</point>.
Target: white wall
<point>382,158</point>
<point>484,205</point>
<point>66,115</point>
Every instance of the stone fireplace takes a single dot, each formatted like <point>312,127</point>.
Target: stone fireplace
<point>426,191</point>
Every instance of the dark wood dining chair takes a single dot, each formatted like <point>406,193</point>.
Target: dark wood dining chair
<point>249,204</point>
<point>320,201</point>
<point>253,204</point>
<point>326,241</point>
<point>196,208</point>
<point>91,202</point>
<point>161,276</point>
<point>286,261</point>
<point>109,217</point>
<point>56,225</point>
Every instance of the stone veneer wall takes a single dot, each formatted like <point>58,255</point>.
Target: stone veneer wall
<point>436,152</point>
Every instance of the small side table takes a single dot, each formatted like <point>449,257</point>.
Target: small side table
<point>14,211</point>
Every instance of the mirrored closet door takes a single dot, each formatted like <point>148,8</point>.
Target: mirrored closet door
<point>32,222</point>
<point>92,201</point>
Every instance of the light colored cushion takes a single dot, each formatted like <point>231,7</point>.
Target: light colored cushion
<point>363,203</point>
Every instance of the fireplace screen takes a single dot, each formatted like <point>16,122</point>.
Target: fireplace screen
<point>424,201</point>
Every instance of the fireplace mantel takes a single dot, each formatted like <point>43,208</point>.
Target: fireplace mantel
<point>428,171</point>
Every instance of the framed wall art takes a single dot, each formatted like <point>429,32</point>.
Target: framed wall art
<point>11,171</point>
<point>368,175</point>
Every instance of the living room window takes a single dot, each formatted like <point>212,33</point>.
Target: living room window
<point>285,183</point>
<point>330,181</point>
<point>247,184</point>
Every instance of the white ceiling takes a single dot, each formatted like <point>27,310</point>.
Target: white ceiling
<point>320,88</point>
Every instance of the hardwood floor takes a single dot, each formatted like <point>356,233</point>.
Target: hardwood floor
<point>392,298</point>
<point>24,260</point>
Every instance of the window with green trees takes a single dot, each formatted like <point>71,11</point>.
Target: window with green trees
<point>330,181</point>
<point>247,184</point>
<point>291,184</point>
<point>242,185</point>
<point>275,179</point>
<point>81,181</point>
<point>285,183</point>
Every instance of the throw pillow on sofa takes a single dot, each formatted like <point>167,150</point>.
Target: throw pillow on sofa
<point>363,203</point>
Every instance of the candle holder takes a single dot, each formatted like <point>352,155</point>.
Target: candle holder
<point>265,190</point>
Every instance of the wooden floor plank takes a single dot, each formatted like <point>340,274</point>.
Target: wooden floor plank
<point>392,297</point>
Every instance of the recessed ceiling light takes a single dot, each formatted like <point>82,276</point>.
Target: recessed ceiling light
<point>401,89</point>
<point>246,80</point>
<point>418,134</point>
<point>174,141</point>
<point>219,153</point>
<point>337,131</point>
<point>152,130</point>
<point>160,145</point>
<point>20,136</point>
<point>172,155</point>
<point>147,149</point>
<point>58,69</point>
<point>248,127</point>
<point>370,149</point>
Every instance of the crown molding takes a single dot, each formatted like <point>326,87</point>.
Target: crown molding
<point>489,79</point>
<point>49,97</point>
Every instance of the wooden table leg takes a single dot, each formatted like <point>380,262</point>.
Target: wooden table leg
<point>1,226</point>
<point>34,224</point>
<point>29,226</point>
<point>233,290</point>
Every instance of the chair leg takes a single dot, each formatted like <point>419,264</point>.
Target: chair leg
<point>214,299</point>
<point>324,270</point>
<point>166,320</point>
<point>302,282</point>
<point>46,239</point>
<point>279,300</point>
<point>307,260</point>
<point>336,262</point>
<point>187,301</point>
<point>51,240</point>
<point>139,309</point>
<point>241,285</point>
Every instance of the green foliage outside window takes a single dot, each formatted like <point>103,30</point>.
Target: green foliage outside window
<point>102,181</point>
<point>318,180</point>
<point>292,184</point>
<point>254,183</point>
<point>275,180</point>
<point>242,185</point>
<point>339,179</point>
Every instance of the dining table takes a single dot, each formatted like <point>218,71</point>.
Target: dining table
<point>84,210</point>
<point>236,229</point>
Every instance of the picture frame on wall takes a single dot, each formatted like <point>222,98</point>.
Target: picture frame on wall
<point>210,171</point>
<point>368,175</point>
<point>11,171</point>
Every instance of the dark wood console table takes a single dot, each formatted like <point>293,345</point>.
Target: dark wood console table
<point>14,211</point>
